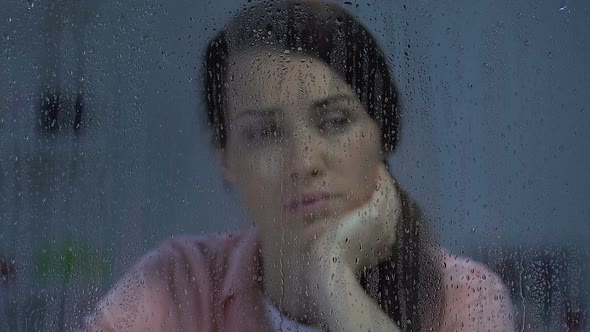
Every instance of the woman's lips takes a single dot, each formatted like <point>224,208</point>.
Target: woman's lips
<point>310,203</point>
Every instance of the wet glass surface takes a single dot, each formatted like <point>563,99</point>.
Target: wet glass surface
<point>105,150</point>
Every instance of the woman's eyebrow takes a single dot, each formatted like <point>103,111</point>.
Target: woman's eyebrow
<point>264,112</point>
<point>332,99</point>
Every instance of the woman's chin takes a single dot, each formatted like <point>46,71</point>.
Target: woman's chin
<point>317,225</point>
<point>317,215</point>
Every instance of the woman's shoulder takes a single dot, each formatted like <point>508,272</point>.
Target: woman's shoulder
<point>461,270</point>
<point>475,296</point>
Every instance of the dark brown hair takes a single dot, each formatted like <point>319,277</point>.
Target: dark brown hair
<point>311,28</point>
<point>406,286</point>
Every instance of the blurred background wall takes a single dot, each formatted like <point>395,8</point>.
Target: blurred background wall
<point>104,150</point>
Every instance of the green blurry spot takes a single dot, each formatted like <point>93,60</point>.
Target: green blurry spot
<point>71,260</point>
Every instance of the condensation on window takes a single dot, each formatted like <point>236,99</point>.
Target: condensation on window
<point>386,162</point>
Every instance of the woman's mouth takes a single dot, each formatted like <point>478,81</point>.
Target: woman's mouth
<point>310,203</point>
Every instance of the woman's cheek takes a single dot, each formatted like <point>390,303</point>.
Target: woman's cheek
<point>263,174</point>
<point>360,169</point>
<point>267,170</point>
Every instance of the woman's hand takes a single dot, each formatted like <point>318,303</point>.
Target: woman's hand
<point>362,238</point>
<point>365,236</point>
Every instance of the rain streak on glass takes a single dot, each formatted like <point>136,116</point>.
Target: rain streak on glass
<point>294,165</point>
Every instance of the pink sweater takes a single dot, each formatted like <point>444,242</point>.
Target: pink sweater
<point>213,284</point>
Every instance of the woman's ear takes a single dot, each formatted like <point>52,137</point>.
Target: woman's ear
<point>228,173</point>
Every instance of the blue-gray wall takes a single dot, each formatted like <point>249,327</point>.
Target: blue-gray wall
<point>494,144</point>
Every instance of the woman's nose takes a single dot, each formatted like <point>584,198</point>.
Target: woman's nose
<point>307,157</point>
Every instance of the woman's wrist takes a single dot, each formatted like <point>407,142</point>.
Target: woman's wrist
<point>343,303</point>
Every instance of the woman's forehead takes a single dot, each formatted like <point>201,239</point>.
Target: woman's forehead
<point>276,81</point>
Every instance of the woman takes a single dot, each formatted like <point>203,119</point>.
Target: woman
<point>304,115</point>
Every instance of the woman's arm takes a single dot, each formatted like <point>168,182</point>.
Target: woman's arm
<point>362,239</point>
<point>129,306</point>
<point>169,289</point>
<point>344,304</point>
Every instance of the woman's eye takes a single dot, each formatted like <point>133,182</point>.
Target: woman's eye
<point>334,123</point>
<point>262,135</point>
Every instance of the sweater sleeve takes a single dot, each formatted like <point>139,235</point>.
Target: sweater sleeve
<point>167,290</point>
<point>131,305</point>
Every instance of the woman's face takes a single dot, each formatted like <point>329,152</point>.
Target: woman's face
<point>301,148</point>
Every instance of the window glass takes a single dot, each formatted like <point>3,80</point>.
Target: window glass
<point>403,143</point>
